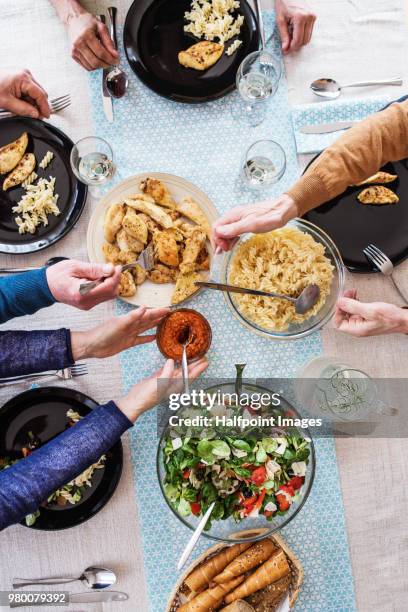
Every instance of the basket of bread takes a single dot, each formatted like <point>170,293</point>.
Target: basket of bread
<point>245,577</point>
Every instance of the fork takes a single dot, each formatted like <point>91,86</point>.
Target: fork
<point>384,264</point>
<point>56,105</point>
<point>145,259</point>
<point>79,369</point>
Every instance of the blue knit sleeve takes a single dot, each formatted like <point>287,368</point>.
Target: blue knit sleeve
<point>23,294</point>
<point>26,352</point>
<point>29,482</point>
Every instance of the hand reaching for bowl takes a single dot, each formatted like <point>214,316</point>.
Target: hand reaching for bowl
<point>256,218</point>
<point>149,392</point>
<point>117,334</point>
<point>361,319</point>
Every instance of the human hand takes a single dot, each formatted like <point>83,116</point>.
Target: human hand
<point>65,277</point>
<point>92,47</point>
<point>295,25</point>
<point>22,95</point>
<point>359,319</point>
<point>149,392</point>
<point>256,218</point>
<point>117,334</point>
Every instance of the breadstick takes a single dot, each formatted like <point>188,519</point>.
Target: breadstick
<point>276,567</point>
<point>258,553</point>
<point>211,598</point>
<point>238,606</point>
<point>204,573</point>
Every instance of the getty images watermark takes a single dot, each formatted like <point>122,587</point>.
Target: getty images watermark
<point>228,409</point>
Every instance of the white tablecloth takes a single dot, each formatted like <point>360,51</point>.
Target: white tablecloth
<point>353,39</point>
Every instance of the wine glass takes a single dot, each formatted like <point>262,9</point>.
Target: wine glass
<point>263,164</point>
<point>92,161</point>
<point>257,81</point>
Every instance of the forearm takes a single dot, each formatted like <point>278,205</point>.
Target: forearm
<point>25,352</point>
<point>355,156</point>
<point>23,294</point>
<point>67,9</point>
<point>25,485</point>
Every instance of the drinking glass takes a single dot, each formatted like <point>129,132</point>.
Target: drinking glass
<point>257,81</point>
<point>92,161</point>
<point>263,164</point>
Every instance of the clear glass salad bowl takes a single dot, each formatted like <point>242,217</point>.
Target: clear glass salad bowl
<point>252,527</point>
<point>312,324</point>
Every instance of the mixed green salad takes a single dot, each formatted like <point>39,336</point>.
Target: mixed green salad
<point>245,477</point>
<point>73,491</point>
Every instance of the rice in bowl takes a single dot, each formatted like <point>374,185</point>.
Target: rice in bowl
<point>285,261</point>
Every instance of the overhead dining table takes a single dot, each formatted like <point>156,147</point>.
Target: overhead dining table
<point>351,41</point>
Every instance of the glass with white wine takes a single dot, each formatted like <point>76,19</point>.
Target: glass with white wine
<point>92,161</point>
<point>257,81</point>
<point>264,163</point>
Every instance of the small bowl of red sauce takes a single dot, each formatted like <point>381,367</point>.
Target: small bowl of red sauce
<point>179,325</point>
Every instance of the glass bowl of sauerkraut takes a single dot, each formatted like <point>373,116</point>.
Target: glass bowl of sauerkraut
<point>284,261</point>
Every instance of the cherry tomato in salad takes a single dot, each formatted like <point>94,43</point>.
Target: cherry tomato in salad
<point>283,503</point>
<point>268,513</point>
<point>296,482</point>
<point>288,489</point>
<point>260,499</point>
<point>195,508</point>
<point>186,474</point>
<point>250,501</point>
<point>258,476</point>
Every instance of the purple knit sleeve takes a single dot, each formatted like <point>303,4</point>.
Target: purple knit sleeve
<point>25,352</point>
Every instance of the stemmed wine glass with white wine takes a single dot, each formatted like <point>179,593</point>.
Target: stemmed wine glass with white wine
<point>92,161</point>
<point>257,81</point>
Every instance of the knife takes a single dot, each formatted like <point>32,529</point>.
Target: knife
<point>325,128</point>
<point>106,99</point>
<point>97,596</point>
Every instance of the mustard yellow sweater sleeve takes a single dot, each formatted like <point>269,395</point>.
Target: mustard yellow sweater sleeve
<point>355,156</point>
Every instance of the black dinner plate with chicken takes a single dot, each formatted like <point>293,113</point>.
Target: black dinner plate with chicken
<point>353,225</point>
<point>153,37</point>
<point>42,137</point>
<point>35,417</point>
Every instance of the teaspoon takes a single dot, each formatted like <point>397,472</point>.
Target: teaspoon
<point>48,263</point>
<point>331,89</point>
<point>185,338</point>
<point>116,80</point>
<point>92,578</point>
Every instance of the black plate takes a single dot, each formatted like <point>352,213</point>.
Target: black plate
<point>353,226</point>
<point>43,137</point>
<point>153,36</point>
<point>43,411</point>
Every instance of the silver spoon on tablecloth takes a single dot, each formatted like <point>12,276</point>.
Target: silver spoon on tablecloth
<point>92,578</point>
<point>331,89</point>
<point>49,262</point>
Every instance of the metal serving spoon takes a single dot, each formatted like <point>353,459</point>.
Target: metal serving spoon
<point>48,263</point>
<point>116,80</point>
<point>331,89</point>
<point>185,338</point>
<point>92,578</point>
<point>304,302</point>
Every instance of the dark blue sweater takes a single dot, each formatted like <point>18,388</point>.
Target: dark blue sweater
<point>30,481</point>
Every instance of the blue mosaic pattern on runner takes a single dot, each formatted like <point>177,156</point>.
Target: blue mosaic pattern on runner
<point>203,144</point>
<point>329,112</point>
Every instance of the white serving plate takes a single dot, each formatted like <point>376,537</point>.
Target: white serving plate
<point>148,294</point>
